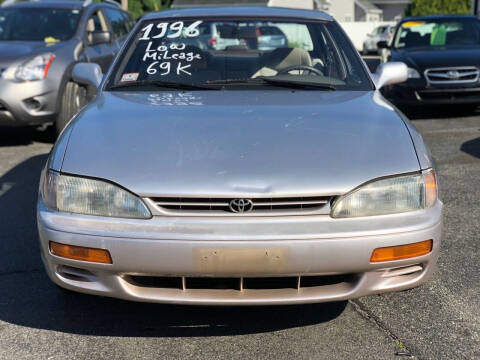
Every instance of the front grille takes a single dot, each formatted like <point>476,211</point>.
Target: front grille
<point>450,94</point>
<point>240,284</point>
<point>252,206</point>
<point>458,75</point>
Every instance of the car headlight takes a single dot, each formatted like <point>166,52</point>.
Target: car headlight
<point>392,195</point>
<point>413,73</point>
<point>86,196</point>
<point>36,68</point>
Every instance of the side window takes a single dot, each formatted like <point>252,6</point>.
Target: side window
<point>128,20</point>
<point>96,23</point>
<point>118,21</point>
<point>205,29</point>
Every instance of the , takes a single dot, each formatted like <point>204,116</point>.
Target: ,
<point>442,54</point>
<point>40,42</point>
<point>257,175</point>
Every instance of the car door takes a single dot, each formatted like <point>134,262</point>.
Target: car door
<point>373,39</point>
<point>100,53</point>
<point>368,41</point>
<point>379,37</point>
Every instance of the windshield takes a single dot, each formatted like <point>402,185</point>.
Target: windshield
<point>246,53</point>
<point>38,24</point>
<point>438,33</point>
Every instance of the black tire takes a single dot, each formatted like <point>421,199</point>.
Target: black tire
<point>74,98</point>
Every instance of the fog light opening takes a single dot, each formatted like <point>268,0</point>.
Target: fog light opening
<point>75,274</point>
<point>80,253</point>
<point>33,104</point>
<point>403,271</point>
<point>401,252</point>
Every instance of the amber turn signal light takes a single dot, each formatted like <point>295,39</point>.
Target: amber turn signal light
<point>431,191</point>
<point>402,251</point>
<point>80,253</point>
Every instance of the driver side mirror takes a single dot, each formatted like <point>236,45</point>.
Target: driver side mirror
<point>390,73</point>
<point>99,37</point>
<point>89,74</point>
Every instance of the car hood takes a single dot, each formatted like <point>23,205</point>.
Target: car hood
<point>239,143</point>
<point>11,51</point>
<point>422,59</point>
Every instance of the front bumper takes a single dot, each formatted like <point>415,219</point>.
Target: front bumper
<point>417,92</point>
<point>27,103</point>
<point>231,249</point>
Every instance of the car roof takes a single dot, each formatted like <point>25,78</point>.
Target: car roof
<point>241,11</point>
<point>49,4</point>
<point>438,17</point>
<point>67,4</point>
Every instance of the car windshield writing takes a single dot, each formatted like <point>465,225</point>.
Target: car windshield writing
<point>438,34</point>
<point>38,24</point>
<point>204,51</point>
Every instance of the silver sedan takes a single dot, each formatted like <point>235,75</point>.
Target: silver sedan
<point>240,176</point>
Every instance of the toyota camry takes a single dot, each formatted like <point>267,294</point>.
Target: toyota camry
<point>239,175</point>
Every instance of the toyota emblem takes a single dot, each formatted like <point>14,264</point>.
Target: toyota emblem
<point>241,205</point>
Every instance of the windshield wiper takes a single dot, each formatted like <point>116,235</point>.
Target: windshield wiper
<point>273,81</point>
<point>165,84</point>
